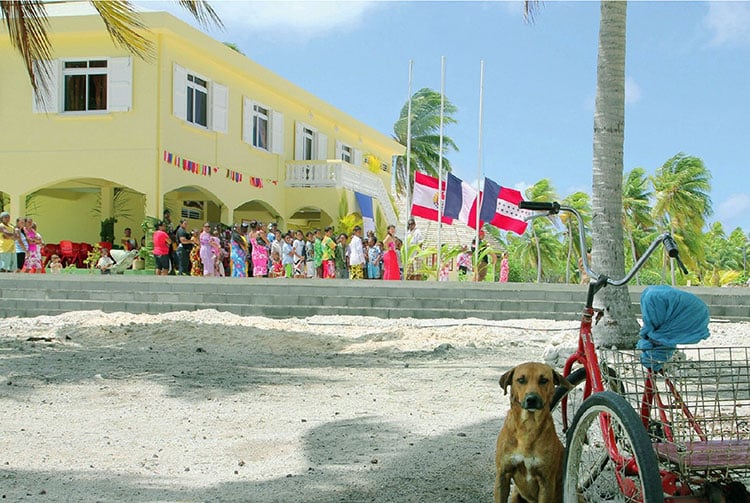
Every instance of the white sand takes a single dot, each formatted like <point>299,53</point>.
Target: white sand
<point>210,406</point>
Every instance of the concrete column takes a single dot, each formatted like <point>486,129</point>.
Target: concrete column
<point>107,202</point>
<point>17,207</point>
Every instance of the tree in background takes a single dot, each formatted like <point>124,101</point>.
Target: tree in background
<point>27,27</point>
<point>637,222</point>
<point>581,202</point>
<point>541,235</point>
<point>682,202</point>
<point>425,136</point>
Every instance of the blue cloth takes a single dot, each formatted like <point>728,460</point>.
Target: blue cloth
<point>670,317</point>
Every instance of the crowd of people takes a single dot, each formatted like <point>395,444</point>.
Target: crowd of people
<point>255,249</point>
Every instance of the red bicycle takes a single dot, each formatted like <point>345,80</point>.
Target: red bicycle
<point>676,431</point>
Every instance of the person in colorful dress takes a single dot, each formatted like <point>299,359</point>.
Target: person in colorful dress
<point>318,249</point>
<point>390,260</point>
<point>356,254</point>
<point>342,257</point>
<point>464,264</point>
<point>287,255</point>
<point>196,267</point>
<point>329,254</point>
<point>238,253</point>
<point>260,252</point>
<point>310,255</point>
<point>504,268</point>
<point>207,251</point>
<point>373,259</point>
<point>33,262</point>
<point>7,244</point>
<point>298,248</point>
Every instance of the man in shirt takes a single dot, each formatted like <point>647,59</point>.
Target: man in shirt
<point>414,240</point>
<point>356,254</point>
<point>184,246</point>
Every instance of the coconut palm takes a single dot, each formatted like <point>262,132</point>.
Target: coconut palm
<point>681,187</point>
<point>609,138</point>
<point>425,136</point>
<point>27,27</point>
<point>581,202</point>
<point>636,211</point>
<point>541,191</point>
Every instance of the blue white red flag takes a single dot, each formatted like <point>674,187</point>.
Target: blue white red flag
<point>460,201</point>
<point>500,208</point>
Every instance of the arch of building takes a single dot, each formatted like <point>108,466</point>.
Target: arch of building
<point>195,204</point>
<point>258,210</point>
<point>74,208</point>
<point>308,218</point>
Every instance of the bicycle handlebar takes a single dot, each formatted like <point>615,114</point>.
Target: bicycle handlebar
<point>553,208</point>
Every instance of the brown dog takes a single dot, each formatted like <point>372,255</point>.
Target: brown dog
<point>529,451</point>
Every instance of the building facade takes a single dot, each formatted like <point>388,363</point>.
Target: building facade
<point>198,129</point>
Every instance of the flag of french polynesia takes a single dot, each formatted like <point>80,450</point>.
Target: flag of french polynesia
<point>424,200</point>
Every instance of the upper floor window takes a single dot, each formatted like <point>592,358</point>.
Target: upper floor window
<point>309,143</point>
<point>86,85</point>
<point>349,154</point>
<point>262,127</point>
<point>198,100</point>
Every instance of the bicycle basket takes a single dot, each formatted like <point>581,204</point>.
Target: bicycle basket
<point>699,413</point>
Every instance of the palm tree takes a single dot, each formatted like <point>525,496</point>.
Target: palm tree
<point>425,135</point>
<point>27,27</point>
<point>579,201</point>
<point>541,191</point>
<point>681,187</point>
<point>636,212</point>
<point>609,138</point>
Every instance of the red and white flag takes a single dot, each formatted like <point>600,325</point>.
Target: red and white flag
<point>500,208</point>
<point>424,200</point>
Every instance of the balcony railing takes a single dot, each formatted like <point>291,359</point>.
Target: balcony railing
<point>339,174</point>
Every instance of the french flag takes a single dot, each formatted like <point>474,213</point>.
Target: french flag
<point>460,201</point>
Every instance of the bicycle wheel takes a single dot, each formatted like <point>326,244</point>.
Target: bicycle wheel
<point>591,472</point>
<point>574,395</point>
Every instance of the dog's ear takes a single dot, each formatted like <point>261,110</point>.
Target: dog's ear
<point>561,381</point>
<point>506,379</point>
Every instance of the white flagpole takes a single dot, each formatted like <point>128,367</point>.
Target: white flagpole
<point>440,165</point>
<point>408,176</point>
<point>479,162</point>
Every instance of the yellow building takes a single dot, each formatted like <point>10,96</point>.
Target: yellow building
<point>198,129</point>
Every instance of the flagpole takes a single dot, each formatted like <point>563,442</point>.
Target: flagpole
<point>408,176</point>
<point>479,161</point>
<point>440,167</point>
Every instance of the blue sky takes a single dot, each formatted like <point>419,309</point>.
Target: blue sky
<point>687,70</point>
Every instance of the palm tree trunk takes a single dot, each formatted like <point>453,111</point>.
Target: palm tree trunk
<point>621,327</point>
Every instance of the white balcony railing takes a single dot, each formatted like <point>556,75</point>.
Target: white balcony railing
<point>339,174</point>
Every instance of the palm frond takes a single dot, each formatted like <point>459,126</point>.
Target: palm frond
<point>202,11</point>
<point>124,26</point>
<point>27,27</point>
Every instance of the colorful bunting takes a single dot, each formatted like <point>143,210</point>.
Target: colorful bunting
<point>206,170</point>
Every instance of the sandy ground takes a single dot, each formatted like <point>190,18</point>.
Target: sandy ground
<point>209,406</point>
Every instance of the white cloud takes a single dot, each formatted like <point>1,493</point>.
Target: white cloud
<point>303,18</point>
<point>632,91</point>
<point>732,210</point>
<point>728,23</point>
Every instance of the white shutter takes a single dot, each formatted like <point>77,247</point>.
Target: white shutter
<point>120,84</point>
<point>247,120</point>
<point>179,92</point>
<point>321,142</point>
<point>298,142</point>
<point>46,100</point>
<point>220,107</point>
<point>277,132</point>
<point>357,157</point>
<point>339,149</point>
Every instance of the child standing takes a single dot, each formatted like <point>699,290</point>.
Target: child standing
<point>55,265</point>
<point>277,269</point>
<point>287,255</point>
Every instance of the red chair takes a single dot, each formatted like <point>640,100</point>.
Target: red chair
<point>69,253</point>
<point>105,244</point>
